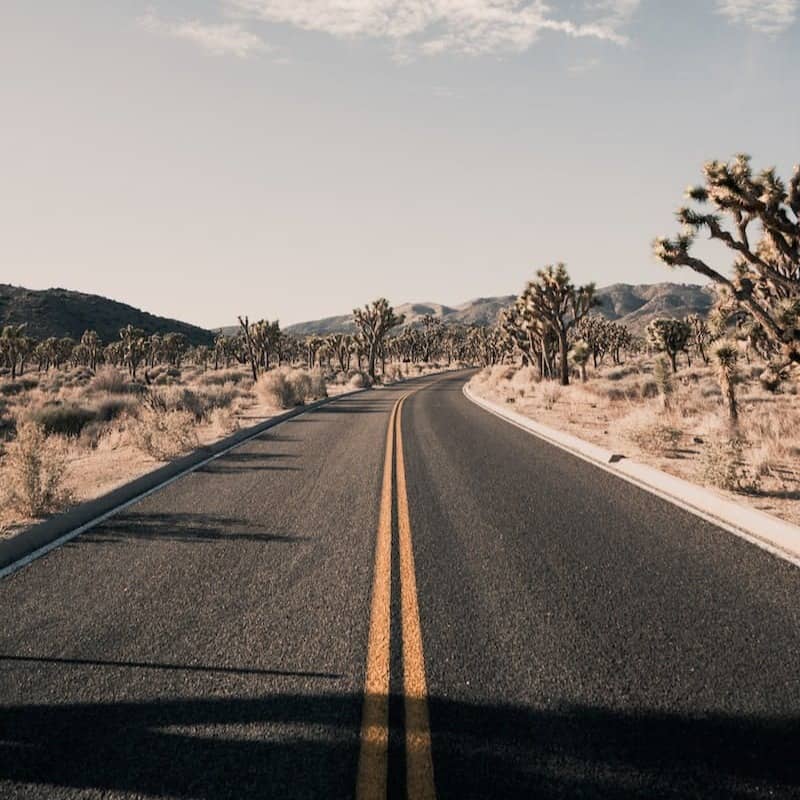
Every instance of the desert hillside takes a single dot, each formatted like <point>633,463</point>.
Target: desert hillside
<point>61,312</point>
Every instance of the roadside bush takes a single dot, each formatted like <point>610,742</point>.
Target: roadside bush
<point>300,382</point>
<point>34,471</point>
<point>319,389</point>
<point>274,389</point>
<point>359,380</point>
<point>286,388</point>
<point>163,435</point>
<point>723,465</point>
<point>224,420</point>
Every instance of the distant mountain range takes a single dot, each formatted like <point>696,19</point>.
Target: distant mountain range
<point>632,305</point>
<point>60,312</point>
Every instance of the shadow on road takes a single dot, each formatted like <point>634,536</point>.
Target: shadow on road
<point>306,745</point>
<point>154,665</point>
<point>177,527</point>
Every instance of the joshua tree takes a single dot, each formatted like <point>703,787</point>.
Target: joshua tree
<point>579,355</point>
<point>430,337</point>
<point>133,343</point>
<point>92,348</point>
<point>757,217</point>
<point>726,356</point>
<point>701,336</point>
<point>174,347</point>
<point>252,354</point>
<point>374,323</point>
<point>12,346</point>
<point>553,298</point>
<point>341,344</point>
<point>670,336</point>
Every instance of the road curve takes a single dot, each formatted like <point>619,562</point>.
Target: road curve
<point>579,637</point>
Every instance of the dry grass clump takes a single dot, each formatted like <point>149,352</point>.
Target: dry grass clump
<point>651,431</point>
<point>164,375</point>
<point>10,388</point>
<point>56,380</point>
<point>110,380</point>
<point>286,388</point>
<point>222,376</point>
<point>34,471</point>
<point>163,435</point>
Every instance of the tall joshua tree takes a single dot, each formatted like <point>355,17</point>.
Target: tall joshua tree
<point>92,346</point>
<point>12,343</point>
<point>374,322</point>
<point>757,217</point>
<point>561,305</point>
<point>670,336</point>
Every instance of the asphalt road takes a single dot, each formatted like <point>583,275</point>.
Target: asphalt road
<point>579,637</point>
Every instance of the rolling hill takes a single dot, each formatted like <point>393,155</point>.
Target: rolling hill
<point>60,312</point>
<point>633,305</point>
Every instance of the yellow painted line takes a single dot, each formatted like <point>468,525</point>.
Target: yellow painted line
<point>419,761</point>
<point>373,759</point>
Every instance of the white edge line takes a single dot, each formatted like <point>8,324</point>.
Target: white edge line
<point>45,549</point>
<point>786,555</point>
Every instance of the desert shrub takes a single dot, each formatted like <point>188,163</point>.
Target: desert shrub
<point>163,435</point>
<point>274,389</point>
<point>551,394</point>
<point>224,420</point>
<point>92,433</point>
<point>219,396</point>
<point>618,373</point>
<point>34,471</point>
<point>359,380</point>
<point>114,406</point>
<point>393,374</point>
<point>649,389</point>
<point>223,376</point>
<point>177,398</point>
<point>651,431</point>
<point>319,389</point>
<point>63,418</point>
<point>163,375</point>
<point>300,382</point>
<point>524,379</point>
<point>723,465</point>
<point>109,379</point>
<point>9,388</point>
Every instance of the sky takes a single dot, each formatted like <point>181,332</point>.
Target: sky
<point>292,159</point>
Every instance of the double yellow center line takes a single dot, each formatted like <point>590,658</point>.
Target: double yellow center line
<point>373,764</point>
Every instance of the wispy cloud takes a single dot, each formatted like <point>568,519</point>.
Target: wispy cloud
<point>765,16</point>
<point>229,38</point>
<point>434,26</point>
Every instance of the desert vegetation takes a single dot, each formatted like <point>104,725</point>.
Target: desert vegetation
<point>712,400</point>
<point>81,416</point>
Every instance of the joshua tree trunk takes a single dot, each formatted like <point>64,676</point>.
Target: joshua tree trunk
<point>563,355</point>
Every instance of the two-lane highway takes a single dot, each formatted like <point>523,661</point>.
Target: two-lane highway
<point>411,599</point>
